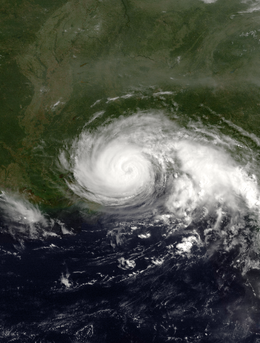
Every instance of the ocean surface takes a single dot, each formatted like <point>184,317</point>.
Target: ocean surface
<point>130,171</point>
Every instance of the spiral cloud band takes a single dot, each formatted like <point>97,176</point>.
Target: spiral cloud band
<point>141,159</point>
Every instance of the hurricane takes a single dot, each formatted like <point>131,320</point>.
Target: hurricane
<point>148,162</point>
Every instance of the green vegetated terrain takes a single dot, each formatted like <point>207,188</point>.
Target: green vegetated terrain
<point>63,62</point>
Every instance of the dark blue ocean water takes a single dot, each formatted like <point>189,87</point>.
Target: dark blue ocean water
<point>75,288</point>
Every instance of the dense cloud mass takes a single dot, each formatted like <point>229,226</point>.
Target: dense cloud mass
<point>148,159</point>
